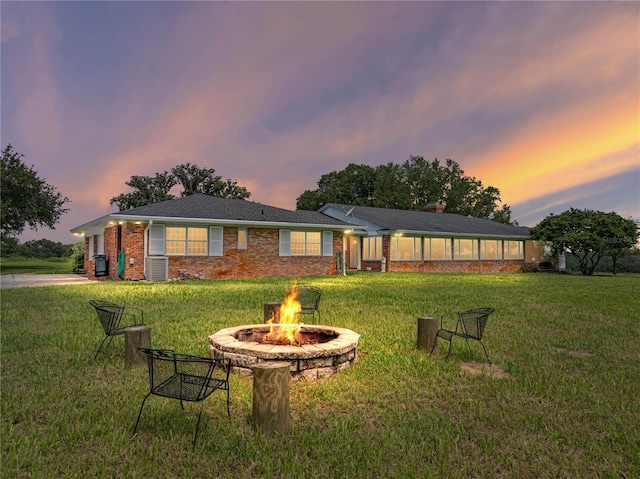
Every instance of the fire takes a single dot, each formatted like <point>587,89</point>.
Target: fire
<point>288,329</point>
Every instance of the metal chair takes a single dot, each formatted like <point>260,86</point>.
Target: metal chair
<point>309,299</point>
<point>115,318</point>
<point>186,378</point>
<point>470,324</point>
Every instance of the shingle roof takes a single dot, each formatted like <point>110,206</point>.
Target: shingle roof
<point>205,207</point>
<point>429,222</point>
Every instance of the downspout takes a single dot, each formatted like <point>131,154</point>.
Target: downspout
<point>144,256</point>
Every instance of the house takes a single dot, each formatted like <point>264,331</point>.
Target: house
<point>431,241</point>
<point>217,238</point>
<point>212,238</point>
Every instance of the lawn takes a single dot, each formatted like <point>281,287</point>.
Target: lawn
<point>18,265</point>
<point>565,407</point>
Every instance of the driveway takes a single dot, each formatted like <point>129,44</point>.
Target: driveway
<point>8,281</point>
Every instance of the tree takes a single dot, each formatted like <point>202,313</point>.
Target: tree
<point>586,234</point>
<point>412,185</point>
<point>354,185</point>
<point>623,239</point>
<point>26,198</point>
<point>44,248</point>
<point>193,179</point>
<point>148,190</point>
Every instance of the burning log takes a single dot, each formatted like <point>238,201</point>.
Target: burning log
<point>271,397</point>
<point>272,312</point>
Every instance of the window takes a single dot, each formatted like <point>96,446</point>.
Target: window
<point>437,248</point>
<point>513,250</point>
<point>490,249</point>
<point>305,243</point>
<point>405,248</point>
<point>372,248</point>
<point>465,249</point>
<point>186,241</point>
<point>242,238</point>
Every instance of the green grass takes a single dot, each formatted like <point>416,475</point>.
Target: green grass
<point>567,408</point>
<point>17,265</point>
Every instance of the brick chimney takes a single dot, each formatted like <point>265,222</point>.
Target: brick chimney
<point>434,207</point>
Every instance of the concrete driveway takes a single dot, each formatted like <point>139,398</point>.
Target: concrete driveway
<point>8,281</point>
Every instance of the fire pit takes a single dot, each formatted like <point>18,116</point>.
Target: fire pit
<point>320,351</point>
<point>313,351</point>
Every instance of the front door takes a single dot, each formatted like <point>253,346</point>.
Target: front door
<point>354,252</point>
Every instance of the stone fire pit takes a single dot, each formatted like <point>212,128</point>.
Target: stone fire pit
<point>324,350</point>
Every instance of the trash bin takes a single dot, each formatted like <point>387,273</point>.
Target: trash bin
<point>102,265</point>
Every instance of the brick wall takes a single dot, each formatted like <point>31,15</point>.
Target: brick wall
<point>260,259</point>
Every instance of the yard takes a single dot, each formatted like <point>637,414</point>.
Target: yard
<point>566,405</point>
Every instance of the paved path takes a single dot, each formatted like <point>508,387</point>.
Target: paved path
<point>8,281</point>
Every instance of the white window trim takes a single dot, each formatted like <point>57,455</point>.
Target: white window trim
<point>396,239</point>
<point>377,248</point>
<point>447,249</point>
<point>483,256</point>
<point>520,249</point>
<point>456,249</point>
<point>284,243</point>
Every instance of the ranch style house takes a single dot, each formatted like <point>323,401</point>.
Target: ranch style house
<point>204,237</point>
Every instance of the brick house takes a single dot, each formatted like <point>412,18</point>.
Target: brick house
<point>217,238</point>
<point>212,238</point>
<point>432,241</point>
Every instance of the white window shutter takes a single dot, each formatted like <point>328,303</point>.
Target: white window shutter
<point>215,241</point>
<point>327,243</point>
<point>285,243</point>
<point>156,239</point>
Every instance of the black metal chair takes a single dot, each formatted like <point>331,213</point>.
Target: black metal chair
<point>186,378</point>
<point>309,299</point>
<point>115,318</point>
<point>470,324</point>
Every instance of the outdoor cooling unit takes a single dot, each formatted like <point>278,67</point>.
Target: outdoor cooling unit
<point>102,265</point>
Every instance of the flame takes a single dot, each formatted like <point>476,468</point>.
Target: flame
<point>288,329</point>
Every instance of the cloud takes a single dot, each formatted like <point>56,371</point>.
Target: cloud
<point>533,98</point>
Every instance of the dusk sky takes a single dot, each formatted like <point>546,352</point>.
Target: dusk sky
<point>538,99</point>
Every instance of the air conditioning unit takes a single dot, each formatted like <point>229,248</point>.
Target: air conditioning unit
<point>156,269</point>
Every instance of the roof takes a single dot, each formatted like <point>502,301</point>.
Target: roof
<point>413,221</point>
<point>201,208</point>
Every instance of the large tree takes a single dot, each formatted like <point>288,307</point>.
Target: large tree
<point>587,235</point>
<point>193,179</point>
<point>26,198</point>
<point>411,185</point>
<point>147,190</point>
<point>203,180</point>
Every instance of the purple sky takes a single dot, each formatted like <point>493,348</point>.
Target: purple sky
<point>539,99</point>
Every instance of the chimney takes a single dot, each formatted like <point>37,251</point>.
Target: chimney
<point>434,207</point>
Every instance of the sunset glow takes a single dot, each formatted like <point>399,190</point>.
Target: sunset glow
<point>539,99</point>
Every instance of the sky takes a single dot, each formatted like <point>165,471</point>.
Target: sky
<point>538,99</point>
